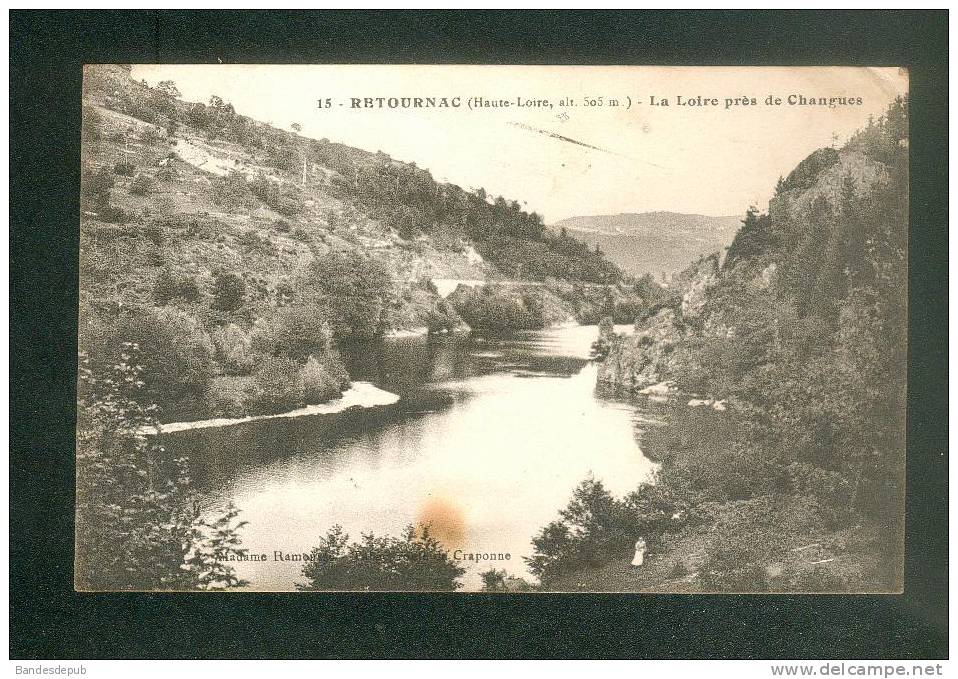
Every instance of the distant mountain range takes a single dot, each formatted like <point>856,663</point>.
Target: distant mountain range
<point>653,242</point>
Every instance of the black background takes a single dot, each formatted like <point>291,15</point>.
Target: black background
<point>49,620</point>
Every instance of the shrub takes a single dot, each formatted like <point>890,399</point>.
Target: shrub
<point>142,185</point>
<point>285,198</point>
<point>286,158</point>
<point>166,172</point>
<point>321,382</point>
<point>296,331</point>
<point>174,350</point>
<point>156,256</point>
<point>734,564</point>
<point>261,187</point>
<point>95,195</point>
<point>124,169</point>
<point>660,509</point>
<point>201,229</point>
<point>500,581</point>
<point>138,527</point>
<point>256,243</point>
<point>228,397</point>
<point>112,214</point>
<point>233,349</point>
<point>170,286</point>
<point>90,124</point>
<point>739,472</point>
<point>277,386</point>
<point>415,562</point>
<point>500,309</point>
<point>232,191</point>
<point>442,318</point>
<point>593,528</point>
<point>96,183</point>
<point>229,291</point>
<point>155,233</point>
<point>150,135</point>
<point>188,289</point>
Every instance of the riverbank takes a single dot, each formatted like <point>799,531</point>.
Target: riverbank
<point>797,555</point>
<point>722,518</point>
<point>359,395</point>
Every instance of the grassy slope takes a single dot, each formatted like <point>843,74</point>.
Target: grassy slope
<point>221,238</point>
<point>796,552</point>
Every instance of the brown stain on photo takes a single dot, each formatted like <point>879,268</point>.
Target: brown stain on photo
<point>446,521</point>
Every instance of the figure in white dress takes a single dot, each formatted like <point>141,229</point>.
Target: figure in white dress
<point>639,557</point>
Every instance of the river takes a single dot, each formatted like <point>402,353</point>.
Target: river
<point>487,442</point>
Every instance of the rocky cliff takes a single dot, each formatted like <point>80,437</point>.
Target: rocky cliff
<point>645,358</point>
<point>835,169</point>
<point>646,361</point>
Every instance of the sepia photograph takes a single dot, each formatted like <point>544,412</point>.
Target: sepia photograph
<point>508,329</point>
<point>478,335</point>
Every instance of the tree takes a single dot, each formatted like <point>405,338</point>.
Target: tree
<point>356,289</point>
<point>277,385</point>
<point>174,351</point>
<point>232,192</point>
<point>169,286</point>
<point>221,117</point>
<point>593,528</point>
<point>780,186</point>
<point>602,345</point>
<point>493,580</point>
<point>229,291</point>
<point>414,562</point>
<point>296,127</point>
<point>137,525</point>
<point>198,116</point>
<point>168,87</point>
<point>298,331</point>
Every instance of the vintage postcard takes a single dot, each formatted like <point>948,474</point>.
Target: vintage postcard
<point>492,328</point>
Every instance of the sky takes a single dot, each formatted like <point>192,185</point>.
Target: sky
<point>564,161</point>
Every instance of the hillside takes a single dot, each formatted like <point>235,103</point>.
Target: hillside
<point>235,259</point>
<point>779,375</point>
<point>652,242</point>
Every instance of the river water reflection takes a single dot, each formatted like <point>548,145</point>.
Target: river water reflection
<point>487,442</point>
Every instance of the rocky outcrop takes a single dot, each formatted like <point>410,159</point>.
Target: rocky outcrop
<point>794,204</point>
<point>648,357</point>
<point>695,281</point>
<point>636,363</point>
